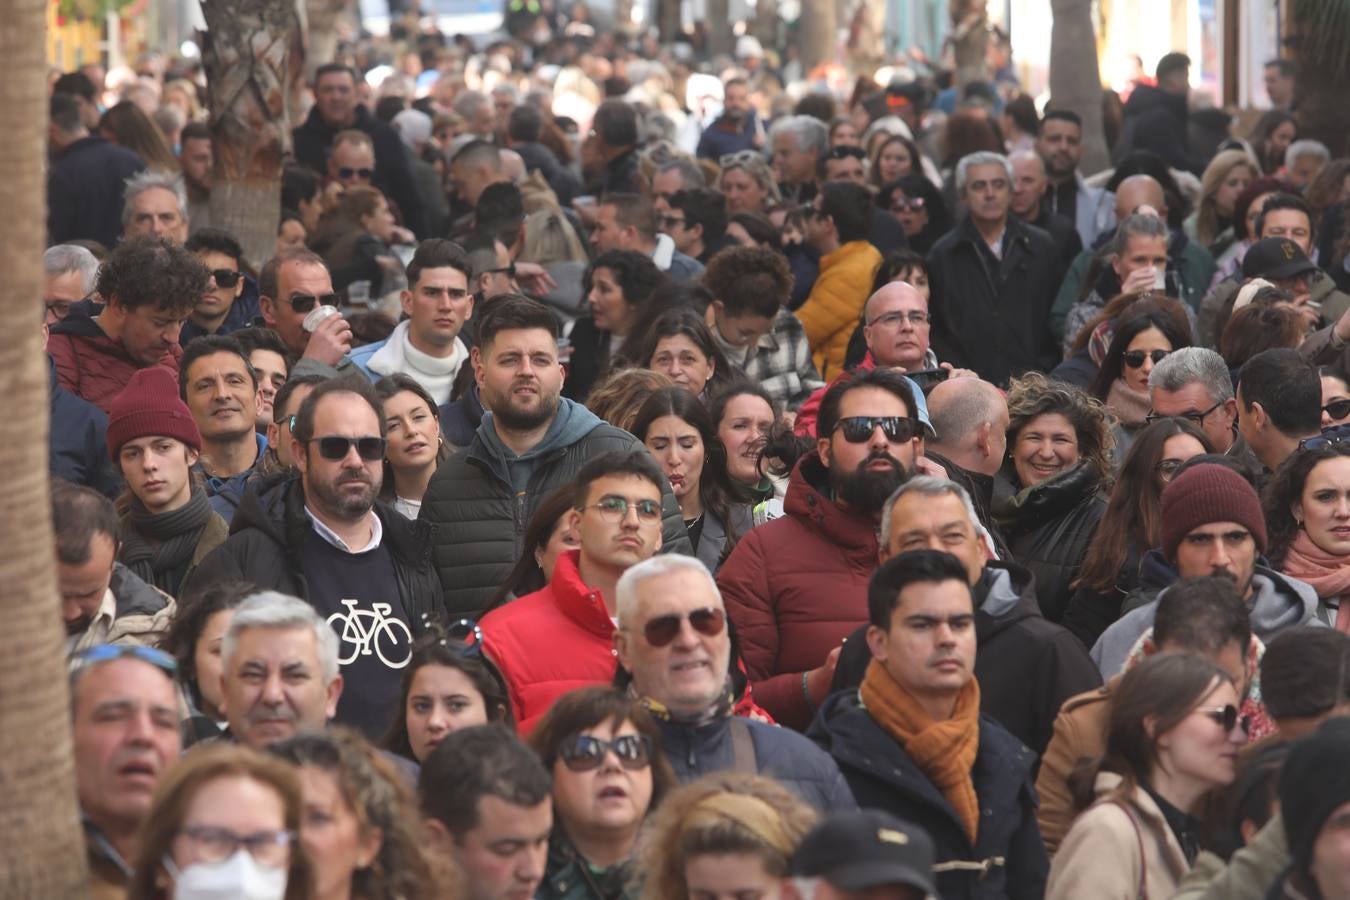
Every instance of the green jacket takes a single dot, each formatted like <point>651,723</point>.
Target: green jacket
<point>1215,309</point>
<point>1248,875</point>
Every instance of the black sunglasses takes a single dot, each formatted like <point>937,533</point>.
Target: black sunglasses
<point>708,621</point>
<point>1337,409</point>
<point>1336,434</point>
<point>348,172</point>
<point>226,278</point>
<point>508,271</point>
<point>913,204</point>
<point>1228,717</point>
<point>898,429</point>
<point>1135,358</point>
<point>583,753</point>
<point>303,303</point>
<point>335,448</point>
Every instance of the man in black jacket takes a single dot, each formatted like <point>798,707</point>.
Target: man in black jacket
<point>325,539</point>
<point>531,442</point>
<point>335,109</point>
<point>1027,666</point>
<point>993,280</point>
<point>85,182</point>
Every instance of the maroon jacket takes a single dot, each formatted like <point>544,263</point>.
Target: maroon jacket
<point>797,586</point>
<point>92,365</point>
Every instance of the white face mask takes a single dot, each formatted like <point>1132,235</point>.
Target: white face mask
<point>237,878</point>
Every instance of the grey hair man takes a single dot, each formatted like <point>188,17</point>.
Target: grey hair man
<point>155,203</point>
<point>798,144</point>
<point>1193,384</point>
<point>70,271</point>
<point>1304,161</point>
<point>679,174</point>
<point>278,669</point>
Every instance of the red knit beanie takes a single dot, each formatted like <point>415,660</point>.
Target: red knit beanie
<point>149,406</point>
<point>1209,493</point>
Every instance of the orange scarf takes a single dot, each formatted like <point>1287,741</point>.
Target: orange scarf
<point>944,750</point>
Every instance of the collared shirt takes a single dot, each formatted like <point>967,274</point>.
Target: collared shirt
<point>1185,826</point>
<point>780,362</point>
<point>331,536</point>
<point>99,626</point>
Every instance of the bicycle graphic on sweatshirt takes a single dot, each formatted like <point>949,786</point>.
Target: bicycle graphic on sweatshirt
<point>363,631</point>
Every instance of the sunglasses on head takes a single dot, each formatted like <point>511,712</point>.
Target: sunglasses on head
<point>708,621</point>
<point>101,653</point>
<point>1337,409</point>
<point>583,753</point>
<point>370,449</point>
<point>898,429</point>
<point>740,158</point>
<point>303,303</point>
<point>1228,717</point>
<point>1336,434</point>
<point>226,278</point>
<point>1135,358</point>
<point>349,172</point>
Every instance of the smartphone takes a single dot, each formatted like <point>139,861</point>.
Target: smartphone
<point>927,379</point>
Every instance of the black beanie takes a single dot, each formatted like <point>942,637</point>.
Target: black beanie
<point>1314,782</point>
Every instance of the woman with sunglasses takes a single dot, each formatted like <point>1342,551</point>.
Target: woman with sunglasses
<point>224,822</point>
<point>1131,526</point>
<point>1049,495</point>
<point>1307,506</point>
<point>601,748</point>
<point>415,446</point>
<point>1137,345</point>
<point>1335,396</point>
<point>728,835</point>
<point>1174,735</point>
<point>920,207</point>
<point>448,685</point>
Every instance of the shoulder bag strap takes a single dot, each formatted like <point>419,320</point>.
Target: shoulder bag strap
<point>1143,859</point>
<point>742,748</point>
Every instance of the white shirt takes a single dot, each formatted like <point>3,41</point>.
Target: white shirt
<point>329,535</point>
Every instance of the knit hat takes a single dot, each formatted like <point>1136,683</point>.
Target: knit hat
<point>1207,493</point>
<point>149,406</point>
<point>1314,782</point>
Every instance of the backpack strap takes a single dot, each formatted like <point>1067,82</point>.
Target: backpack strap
<point>742,748</point>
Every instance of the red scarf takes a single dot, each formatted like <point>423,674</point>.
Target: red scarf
<point>1327,574</point>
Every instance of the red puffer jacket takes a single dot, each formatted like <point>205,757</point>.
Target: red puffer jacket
<point>796,587</point>
<point>92,365</point>
<point>555,640</point>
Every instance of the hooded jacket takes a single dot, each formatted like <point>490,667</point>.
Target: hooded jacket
<point>1026,666</point>
<point>796,586</point>
<point>461,417</point>
<point>481,499</point>
<point>92,365</point>
<point>1007,859</point>
<point>1277,603</point>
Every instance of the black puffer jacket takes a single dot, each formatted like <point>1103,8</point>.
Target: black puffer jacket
<point>1048,528</point>
<point>267,538</point>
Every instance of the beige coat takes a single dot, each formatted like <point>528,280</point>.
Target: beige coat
<point>1100,856</point>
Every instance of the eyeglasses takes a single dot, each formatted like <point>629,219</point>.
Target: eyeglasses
<point>1167,468</point>
<point>1135,358</point>
<point>671,221</point>
<point>613,508</point>
<point>1195,418</point>
<point>894,319</point>
<point>740,158</point>
<point>508,271</point>
<point>1337,434</point>
<point>708,621</point>
<point>268,848</point>
<point>1337,409</point>
<point>226,278</point>
<point>462,637</point>
<point>349,172</point>
<point>911,204</point>
<point>58,308</point>
<point>101,653</point>
<point>303,303</point>
<point>335,448</point>
<point>1227,716</point>
<point>898,429</point>
<point>583,753</point>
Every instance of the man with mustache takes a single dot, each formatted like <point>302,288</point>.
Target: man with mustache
<point>797,586</point>
<point>324,538</point>
<point>220,387</point>
<point>1212,525</point>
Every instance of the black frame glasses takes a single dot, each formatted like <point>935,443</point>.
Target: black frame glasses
<point>226,278</point>
<point>898,429</point>
<point>1195,418</point>
<point>1228,717</point>
<point>708,621</point>
<point>336,447</point>
<point>584,753</point>
<point>303,303</point>
<point>1135,358</point>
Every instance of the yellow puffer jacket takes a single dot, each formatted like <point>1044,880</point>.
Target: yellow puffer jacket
<point>835,303</point>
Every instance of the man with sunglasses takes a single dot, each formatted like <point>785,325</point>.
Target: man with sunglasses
<point>291,285</point>
<point>280,426</point>
<point>326,539</point>
<point>1279,397</point>
<point>125,736</point>
<point>912,740</point>
<point>796,586</point>
<point>231,300</point>
<point>561,636</point>
<point>673,640</point>
<point>351,161</point>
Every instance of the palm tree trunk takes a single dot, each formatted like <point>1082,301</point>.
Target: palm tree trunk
<point>720,38</point>
<point>41,845</point>
<point>668,22</point>
<point>1318,35</point>
<point>253,53</point>
<point>970,39</point>
<point>817,32</point>
<point>1075,81</point>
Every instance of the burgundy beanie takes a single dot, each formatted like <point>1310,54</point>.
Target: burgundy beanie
<point>149,406</point>
<point>1209,493</point>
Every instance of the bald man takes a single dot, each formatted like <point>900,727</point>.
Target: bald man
<point>1029,184</point>
<point>970,417</point>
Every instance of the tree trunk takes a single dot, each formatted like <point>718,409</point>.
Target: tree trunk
<point>253,53</point>
<point>817,33</point>
<point>41,844</point>
<point>720,38</point>
<point>970,38</point>
<point>1317,34</point>
<point>1075,81</point>
<point>321,32</point>
<point>668,21</point>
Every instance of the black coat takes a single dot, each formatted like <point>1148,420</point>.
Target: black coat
<point>993,316</point>
<point>1026,666</point>
<point>1063,232</point>
<point>77,447</point>
<point>590,357</point>
<point>85,188</point>
<point>1157,121</point>
<point>267,538</point>
<point>1048,530</point>
<point>393,165</point>
<point>883,776</point>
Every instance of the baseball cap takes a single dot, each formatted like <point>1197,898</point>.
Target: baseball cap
<point>868,848</point>
<point>1276,257</point>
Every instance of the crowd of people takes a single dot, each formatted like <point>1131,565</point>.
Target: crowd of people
<point>634,474</point>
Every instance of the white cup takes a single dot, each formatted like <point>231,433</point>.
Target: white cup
<point>317,316</point>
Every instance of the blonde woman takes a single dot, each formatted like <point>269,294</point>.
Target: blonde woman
<point>1224,180</point>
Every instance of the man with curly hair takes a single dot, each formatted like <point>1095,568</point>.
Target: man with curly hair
<point>148,286</point>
